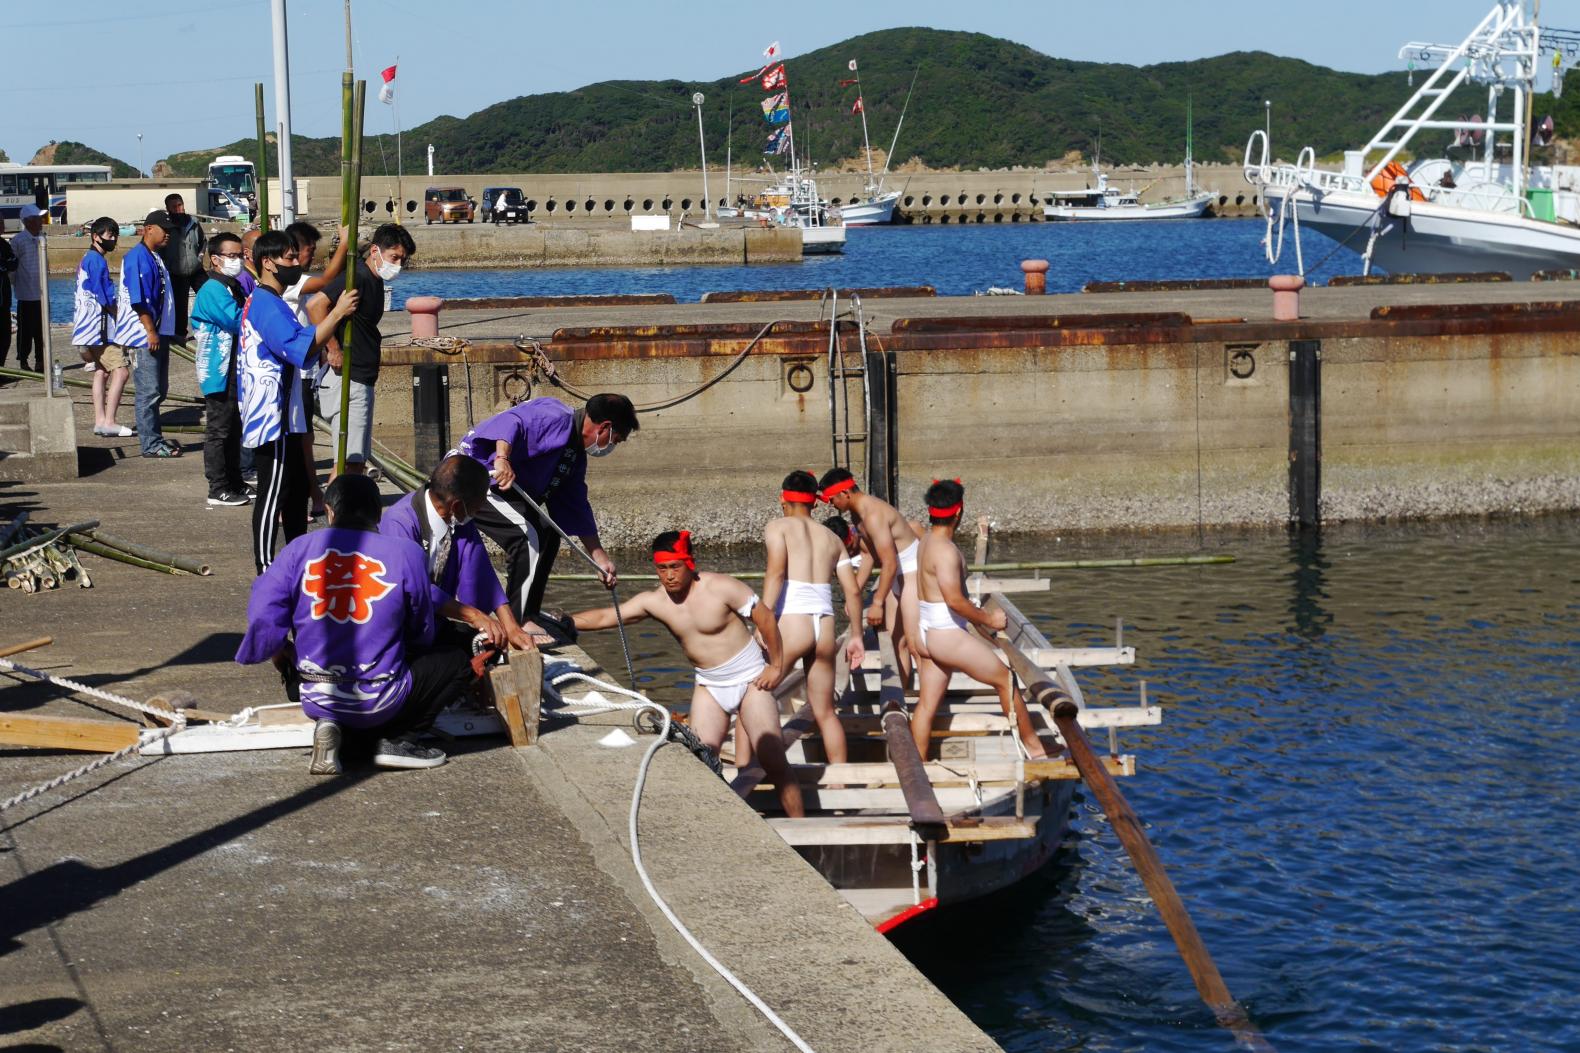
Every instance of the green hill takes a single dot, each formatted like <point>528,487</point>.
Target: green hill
<point>72,153</point>
<point>979,102</point>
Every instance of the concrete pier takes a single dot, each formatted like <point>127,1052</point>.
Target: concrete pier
<point>232,901</point>
<point>1162,409</point>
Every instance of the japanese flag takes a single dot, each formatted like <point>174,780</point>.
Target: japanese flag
<point>771,53</point>
<point>387,92</point>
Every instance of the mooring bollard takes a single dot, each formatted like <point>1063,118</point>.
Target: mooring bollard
<point>424,311</point>
<point>1036,272</point>
<point>1286,296</point>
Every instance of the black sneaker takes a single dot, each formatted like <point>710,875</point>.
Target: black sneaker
<point>404,753</point>
<point>326,749</point>
<point>228,497</point>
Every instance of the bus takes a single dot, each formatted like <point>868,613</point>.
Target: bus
<point>236,175</point>
<point>28,184</point>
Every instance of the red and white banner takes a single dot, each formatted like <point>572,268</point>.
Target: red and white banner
<point>773,78</point>
<point>858,107</point>
<point>387,92</point>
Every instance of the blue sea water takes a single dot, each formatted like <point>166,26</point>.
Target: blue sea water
<point>1363,789</point>
<point>956,260</point>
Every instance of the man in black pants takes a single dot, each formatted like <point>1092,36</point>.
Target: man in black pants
<point>347,616</point>
<point>275,349</point>
<point>8,265</point>
<point>542,446</point>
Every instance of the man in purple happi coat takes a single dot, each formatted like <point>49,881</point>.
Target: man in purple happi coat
<point>542,446</point>
<point>347,615</point>
<point>438,518</point>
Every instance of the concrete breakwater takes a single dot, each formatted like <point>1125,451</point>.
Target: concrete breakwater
<point>1162,410</point>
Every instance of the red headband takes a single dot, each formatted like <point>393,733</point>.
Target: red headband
<point>681,553</point>
<point>945,513</point>
<point>837,488</point>
<point>796,497</point>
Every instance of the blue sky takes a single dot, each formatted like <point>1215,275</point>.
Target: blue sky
<point>181,71</point>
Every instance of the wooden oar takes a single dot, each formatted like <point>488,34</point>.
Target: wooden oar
<point>1126,824</point>
<point>920,800</point>
<point>42,641</point>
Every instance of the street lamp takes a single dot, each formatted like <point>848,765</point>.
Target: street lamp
<point>707,206</point>
<point>1267,121</point>
<point>142,172</point>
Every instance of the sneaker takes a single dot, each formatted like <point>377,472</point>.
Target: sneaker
<point>250,478</point>
<point>229,497</point>
<point>405,753</point>
<point>326,749</point>
<point>250,490</point>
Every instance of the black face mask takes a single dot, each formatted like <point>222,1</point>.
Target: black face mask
<point>106,247</point>
<point>288,276</point>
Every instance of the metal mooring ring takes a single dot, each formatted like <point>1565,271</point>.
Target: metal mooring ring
<point>1242,364</point>
<point>791,378</point>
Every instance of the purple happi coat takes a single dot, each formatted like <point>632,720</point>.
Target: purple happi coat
<point>356,600</point>
<point>468,575</point>
<point>539,432</point>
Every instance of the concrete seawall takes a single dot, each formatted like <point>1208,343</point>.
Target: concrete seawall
<point>483,245</point>
<point>1084,412</point>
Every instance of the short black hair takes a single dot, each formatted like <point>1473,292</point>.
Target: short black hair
<point>800,482</point>
<point>104,226</point>
<point>613,409</point>
<point>665,542</point>
<point>391,235</point>
<point>354,499</point>
<point>944,493</point>
<point>840,528</point>
<point>303,235</point>
<point>220,240</point>
<point>271,245</point>
<point>458,477</point>
<point>834,475</point>
<point>171,199</point>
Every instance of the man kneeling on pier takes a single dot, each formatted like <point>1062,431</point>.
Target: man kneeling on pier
<point>946,617</point>
<point>347,615</point>
<point>706,614</point>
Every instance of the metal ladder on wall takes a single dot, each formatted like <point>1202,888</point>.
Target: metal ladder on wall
<point>875,370</point>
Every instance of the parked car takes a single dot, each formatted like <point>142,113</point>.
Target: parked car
<point>448,204</point>
<point>504,204</point>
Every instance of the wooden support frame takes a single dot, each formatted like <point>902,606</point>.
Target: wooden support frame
<point>517,690</point>
<point>896,830</point>
<point>943,773</point>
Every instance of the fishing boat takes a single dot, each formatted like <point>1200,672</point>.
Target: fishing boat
<point>878,208</point>
<point>899,839</point>
<point>1110,203</point>
<point>1479,205</point>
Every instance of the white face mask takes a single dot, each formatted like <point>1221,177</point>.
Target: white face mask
<point>230,267</point>
<point>601,450</point>
<point>387,271</point>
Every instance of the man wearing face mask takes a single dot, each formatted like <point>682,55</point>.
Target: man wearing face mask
<point>389,250</point>
<point>542,446</point>
<point>93,323</point>
<point>439,518</point>
<point>275,349</point>
<point>216,326</point>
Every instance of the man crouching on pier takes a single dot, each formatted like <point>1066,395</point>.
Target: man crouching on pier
<point>704,612</point>
<point>946,616</point>
<point>347,615</point>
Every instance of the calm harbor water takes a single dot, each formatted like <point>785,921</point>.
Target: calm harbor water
<point>1363,788</point>
<point>956,260</point>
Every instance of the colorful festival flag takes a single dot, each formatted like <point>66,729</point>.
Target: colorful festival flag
<point>848,83</point>
<point>774,102</point>
<point>773,78</point>
<point>778,141</point>
<point>387,92</point>
<point>780,116</point>
<point>858,107</point>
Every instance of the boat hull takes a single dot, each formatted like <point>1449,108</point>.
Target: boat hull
<point>1437,239</point>
<point>872,213</point>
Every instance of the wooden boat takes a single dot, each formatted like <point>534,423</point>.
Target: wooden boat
<point>997,817</point>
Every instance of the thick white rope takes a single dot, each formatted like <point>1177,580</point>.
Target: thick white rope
<point>92,692</point>
<point>636,852</point>
<point>93,765</point>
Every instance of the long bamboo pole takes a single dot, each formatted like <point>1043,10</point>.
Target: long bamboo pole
<point>989,568</point>
<point>352,159</point>
<point>263,161</point>
<point>153,555</point>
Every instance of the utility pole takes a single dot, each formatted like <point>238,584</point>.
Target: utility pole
<point>142,170</point>
<point>282,110</point>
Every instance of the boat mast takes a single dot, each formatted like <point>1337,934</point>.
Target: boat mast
<point>729,142</point>
<point>889,158</point>
<point>1190,181</point>
<point>865,142</point>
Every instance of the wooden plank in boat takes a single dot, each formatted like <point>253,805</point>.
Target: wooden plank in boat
<point>965,725</point>
<point>946,774</point>
<point>1048,657</point>
<point>977,584</point>
<point>896,830</point>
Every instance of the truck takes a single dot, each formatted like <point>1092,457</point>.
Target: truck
<point>129,200</point>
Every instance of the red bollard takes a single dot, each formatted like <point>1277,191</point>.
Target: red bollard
<point>1036,272</point>
<point>1286,296</point>
<point>424,311</point>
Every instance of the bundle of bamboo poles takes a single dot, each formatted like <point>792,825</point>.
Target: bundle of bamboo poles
<point>32,558</point>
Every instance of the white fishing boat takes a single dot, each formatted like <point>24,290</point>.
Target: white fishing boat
<point>1002,815</point>
<point>1106,202</point>
<point>1480,207</point>
<point>876,210</point>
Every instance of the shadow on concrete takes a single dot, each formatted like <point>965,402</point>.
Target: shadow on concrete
<point>55,893</point>
<point>25,1016</point>
<point>215,648</point>
<point>91,460</point>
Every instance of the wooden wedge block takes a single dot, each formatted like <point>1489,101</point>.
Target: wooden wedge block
<point>517,687</point>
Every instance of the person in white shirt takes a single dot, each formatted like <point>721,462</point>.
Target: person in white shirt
<point>29,312</point>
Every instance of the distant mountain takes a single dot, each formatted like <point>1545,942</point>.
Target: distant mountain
<point>71,153</point>
<point>979,102</point>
